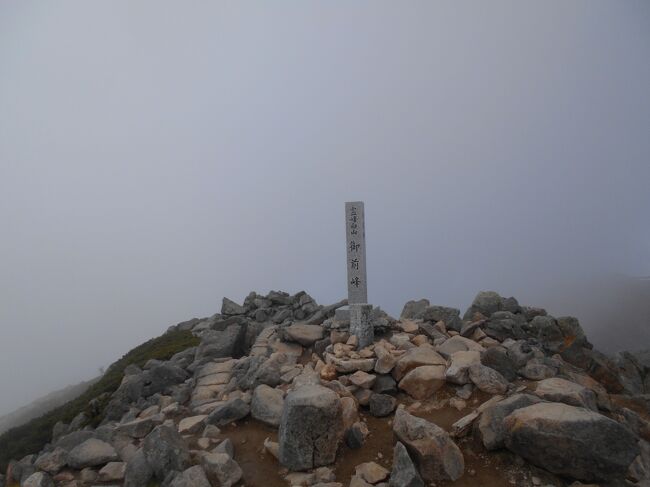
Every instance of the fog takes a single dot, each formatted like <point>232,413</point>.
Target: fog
<point>157,156</point>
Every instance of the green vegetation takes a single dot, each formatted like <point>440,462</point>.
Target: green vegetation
<point>32,436</point>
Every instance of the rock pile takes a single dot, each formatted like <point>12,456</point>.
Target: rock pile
<point>530,384</point>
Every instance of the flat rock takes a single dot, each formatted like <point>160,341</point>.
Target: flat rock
<point>438,457</point>
<point>458,343</point>
<point>422,382</point>
<point>304,334</point>
<point>487,379</point>
<point>562,390</point>
<point>91,453</point>
<point>416,357</point>
<point>371,472</point>
<point>227,412</point>
<point>571,441</point>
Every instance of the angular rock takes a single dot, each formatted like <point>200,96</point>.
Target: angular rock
<point>230,308</point>
<point>414,309</point>
<point>436,454</point>
<point>38,479</point>
<point>363,379</point>
<point>416,357</point>
<point>562,390</point>
<point>460,362</point>
<point>138,471</point>
<point>504,324</point>
<point>165,451</point>
<point>490,426</point>
<point>215,344</point>
<point>381,405</point>
<point>112,472</point>
<point>267,404</point>
<point>304,334</point>
<point>192,425</point>
<point>226,447</point>
<point>404,472</point>
<point>91,453</point>
<point>221,469</point>
<point>422,382</point>
<point>53,461</point>
<point>450,316</point>
<point>138,428</point>
<point>385,384</point>
<point>497,358</point>
<point>571,441</point>
<point>371,472</point>
<point>485,303</point>
<point>228,412</point>
<point>310,428</point>
<point>487,379</point>
<point>192,477</point>
<point>458,343</point>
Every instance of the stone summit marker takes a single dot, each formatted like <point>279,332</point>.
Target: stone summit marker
<point>360,310</point>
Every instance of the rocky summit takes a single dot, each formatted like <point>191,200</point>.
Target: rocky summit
<point>278,392</point>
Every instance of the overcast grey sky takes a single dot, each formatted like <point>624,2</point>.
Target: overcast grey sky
<point>156,156</point>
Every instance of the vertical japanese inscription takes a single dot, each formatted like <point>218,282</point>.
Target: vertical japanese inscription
<point>356,252</point>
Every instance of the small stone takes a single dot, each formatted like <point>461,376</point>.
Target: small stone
<point>371,472</point>
<point>363,379</point>
<point>381,405</point>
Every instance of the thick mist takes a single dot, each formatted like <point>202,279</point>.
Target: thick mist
<point>156,156</point>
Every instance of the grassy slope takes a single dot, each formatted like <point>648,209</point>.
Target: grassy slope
<point>32,436</point>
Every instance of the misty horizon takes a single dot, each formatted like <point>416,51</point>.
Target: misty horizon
<point>155,158</point>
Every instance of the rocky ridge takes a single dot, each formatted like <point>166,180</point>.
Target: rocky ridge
<point>518,383</point>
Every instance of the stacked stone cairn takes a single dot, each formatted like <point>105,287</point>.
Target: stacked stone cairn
<point>531,385</point>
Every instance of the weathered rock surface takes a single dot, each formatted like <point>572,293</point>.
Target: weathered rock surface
<point>571,441</point>
<point>404,473</point>
<point>304,334</point>
<point>192,477</point>
<point>459,364</point>
<point>562,390</point>
<point>165,451</point>
<point>39,479</point>
<point>221,469</point>
<point>436,454</point>
<point>487,379</point>
<point>490,425</point>
<point>423,382</point>
<point>91,453</point>
<point>310,428</point>
<point>267,404</point>
<point>228,412</point>
<point>416,357</point>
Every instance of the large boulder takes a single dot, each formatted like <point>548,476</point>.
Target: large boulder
<point>422,382</point>
<point>414,309</point>
<point>416,357</point>
<point>497,358</point>
<point>404,473</point>
<point>485,303</point>
<point>266,405</point>
<point>161,377</point>
<point>490,426</point>
<point>437,456</point>
<point>91,453</point>
<point>230,308</point>
<point>165,451</point>
<point>311,428</point>
<point>138,472</point>
<point>504,324</point>
<point>215,344</point>
<point>304,334</point>
<point>52,462</point>
<point>561,390</point>
<point>458,343</point>
<point>571,441</point>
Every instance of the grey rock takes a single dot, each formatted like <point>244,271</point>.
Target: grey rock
<point>165,451</point>
<point>490,428</point>
<point>267,404</point>
<point>497,358</point>
<point>228,412</point>
<point>112,472</point>
<point>221,469</point>
<point>38,479</point>
<point>192,477</point>
<point>381,405</point>
<point>71,440</point>
<point>451,316</point>
<point>503,325</point>
<point>520,353</point>
<point>486,303</point>
<point>385,384</point>
<point>226,447</point>
<point>304,334</point>
<point>53,461</point>
<point>547,331</point>
<point>355,436</point>
<point>139,428</point>
<point>138,472</point>
<point>487,379</point>
<point>557,389</point>
<point>536,369</point>
<point>161,377</point>
<point>310,428</point>
<point>404,472</point>
<point>230,342</point>
<point>437,456</point>
<point>229,308</point>
<point>91,453</point>
<point>571,441</point>
<point>414,310</point>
